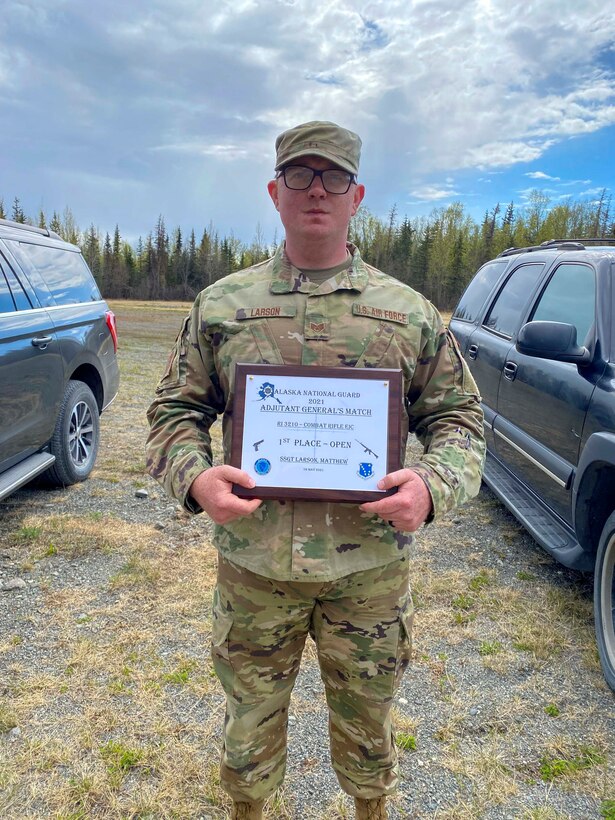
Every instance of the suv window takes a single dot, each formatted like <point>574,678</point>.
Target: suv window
<point>62,272</point>
<point>504,314</point>
<point>20,297</point>
<point>6,300</point>
<point>569,297</point>
<point>479,288</point>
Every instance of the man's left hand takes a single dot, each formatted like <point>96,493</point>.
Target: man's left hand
<point>406,509</point>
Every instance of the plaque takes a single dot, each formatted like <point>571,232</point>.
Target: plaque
<point>316,433</point>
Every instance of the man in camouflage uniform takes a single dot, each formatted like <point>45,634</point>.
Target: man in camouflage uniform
<point>337,571</point>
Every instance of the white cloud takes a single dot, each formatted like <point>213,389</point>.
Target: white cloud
<point>227,151</point>
<point>540,175</point>
<point>577,182</point>
<point>431,193</point>
<point>169,88</point>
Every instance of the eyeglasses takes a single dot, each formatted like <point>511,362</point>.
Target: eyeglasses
<point>300,178</point>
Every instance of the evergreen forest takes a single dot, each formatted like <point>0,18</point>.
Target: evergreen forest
<point>437,254</point>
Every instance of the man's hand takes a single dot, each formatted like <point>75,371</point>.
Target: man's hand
<point>213,491</point>
<point>409,507</point>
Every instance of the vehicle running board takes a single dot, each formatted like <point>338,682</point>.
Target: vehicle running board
<point>23,472</point>
<point>543,526</point>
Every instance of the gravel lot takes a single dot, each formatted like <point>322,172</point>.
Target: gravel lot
<point>503,714</point>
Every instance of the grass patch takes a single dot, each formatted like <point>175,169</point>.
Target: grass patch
<point>29,532</point>
<point>553,767</point>
<point>73,536</point>
<point>480,581</point>
<point>552,709</point>
<point>405,741</point>
<point>137,571</point>
<point>8,719</point>
<point>463,601</point>
<point>120,759</point>
<point>607,809</point>
<point>181,674</point>
<point>490,648</point>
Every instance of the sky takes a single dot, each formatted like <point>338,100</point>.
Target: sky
<point>124,111</point>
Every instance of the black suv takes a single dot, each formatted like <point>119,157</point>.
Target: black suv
<point>537,327</point>
<point>58,364</point>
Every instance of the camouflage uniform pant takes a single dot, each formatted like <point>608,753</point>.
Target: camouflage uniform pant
<point>361,625</point>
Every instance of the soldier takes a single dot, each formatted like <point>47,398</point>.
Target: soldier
<point>337,571</point>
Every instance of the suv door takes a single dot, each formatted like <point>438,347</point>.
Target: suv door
<point>542,403</point>
<point>489,345</point>
<point>64,285</point>
<point>31,370</point>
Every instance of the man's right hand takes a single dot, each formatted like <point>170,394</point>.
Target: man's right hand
<point>213,491</point>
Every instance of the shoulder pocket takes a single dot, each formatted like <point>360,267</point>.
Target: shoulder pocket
<point>461,373</point>
<point>175,372</point>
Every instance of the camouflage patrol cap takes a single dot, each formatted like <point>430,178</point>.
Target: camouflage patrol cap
<point>321,139</point>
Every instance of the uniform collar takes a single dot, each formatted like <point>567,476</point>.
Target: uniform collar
<point>286,278</point>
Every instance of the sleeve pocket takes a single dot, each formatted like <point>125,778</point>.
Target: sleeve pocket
<point>175,371</point>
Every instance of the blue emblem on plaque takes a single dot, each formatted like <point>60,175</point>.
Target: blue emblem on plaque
<point>267,391</point>
<point>366,469</point>
<point>262,466</point>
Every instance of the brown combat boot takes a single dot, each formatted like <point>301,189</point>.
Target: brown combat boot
<point>371,809</point>
<point>247,811</point>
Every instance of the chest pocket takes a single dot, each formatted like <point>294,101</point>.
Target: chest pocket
<point>380,349</point>
<point>245,341</point>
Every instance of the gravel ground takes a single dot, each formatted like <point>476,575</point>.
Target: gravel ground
<point>503,714</point>
<point>476,728</point>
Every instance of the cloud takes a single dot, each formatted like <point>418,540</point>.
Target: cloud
<point>175,92</point>
<point>431,193</point>
<point>577,182</point>
<point>199,148</point>
<point>540,175</point>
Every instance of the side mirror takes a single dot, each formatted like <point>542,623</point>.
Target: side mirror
<point>552,340</point>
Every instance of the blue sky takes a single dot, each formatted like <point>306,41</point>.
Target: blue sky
<point>124,111</point>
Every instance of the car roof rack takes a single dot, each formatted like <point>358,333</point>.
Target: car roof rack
<point>561,244</point>
<point>23,226</point>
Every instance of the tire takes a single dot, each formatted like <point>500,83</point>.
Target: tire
<point>76,436</point>
<point>604,600</point>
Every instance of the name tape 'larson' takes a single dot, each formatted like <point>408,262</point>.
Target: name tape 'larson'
<point>266,312</point>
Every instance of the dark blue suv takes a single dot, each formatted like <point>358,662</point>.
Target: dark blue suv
<point>537,327</point>
<point>58,363</point>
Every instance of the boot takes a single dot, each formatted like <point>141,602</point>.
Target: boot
<point>371,809</point>
<point>247,810</point>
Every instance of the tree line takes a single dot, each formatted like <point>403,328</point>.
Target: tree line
<point>436,254</point>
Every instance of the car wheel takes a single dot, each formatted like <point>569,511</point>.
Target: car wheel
<point>76,435</point>
<point>604,600</point>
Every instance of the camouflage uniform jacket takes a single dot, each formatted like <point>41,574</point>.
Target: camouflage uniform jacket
<point>270,313</point>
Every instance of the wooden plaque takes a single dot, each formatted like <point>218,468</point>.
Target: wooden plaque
<point>316,433</point>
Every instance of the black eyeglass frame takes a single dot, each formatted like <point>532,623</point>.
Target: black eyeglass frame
<point>352,179</point>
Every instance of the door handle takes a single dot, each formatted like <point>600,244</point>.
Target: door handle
<point>510,371</point>
<point>472,351</point>
<point>42,341</point>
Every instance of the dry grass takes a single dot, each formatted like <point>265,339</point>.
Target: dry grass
<point>120,716</point>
